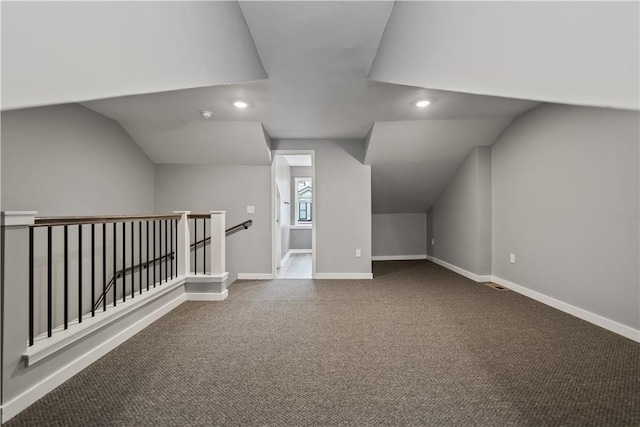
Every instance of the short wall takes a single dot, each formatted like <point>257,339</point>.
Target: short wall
<point>461,216</point>
<point>398,236</point>
<point>566,201</point>
<point>27,381</point>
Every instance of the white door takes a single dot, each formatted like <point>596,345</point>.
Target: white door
<point>278,228</point>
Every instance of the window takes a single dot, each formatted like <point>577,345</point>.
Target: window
<point>304,200</point>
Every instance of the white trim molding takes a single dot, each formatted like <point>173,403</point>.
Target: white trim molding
<point>301,251</point>
<point>301,227</point>
<point>342,276</point>
<point>284,258</point>
<point>255,276</point>
<point>205,296</point>
<point>596,319</point>
<point>30,396</point>
<point>461,271</point>
<point>19,218</point>
<point>61,339</point>
<point>397,257</point>
<point>206,278</point>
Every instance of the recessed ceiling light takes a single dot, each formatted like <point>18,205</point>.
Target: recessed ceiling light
<point>422,103</point>
<point>240,104</point>
<point>206,114</point>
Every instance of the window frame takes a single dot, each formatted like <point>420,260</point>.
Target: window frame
<point>309,207</point>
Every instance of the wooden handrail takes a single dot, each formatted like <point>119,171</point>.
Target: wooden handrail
<point>77,220</point>
<point>229,231</point>
<point>199,215</point>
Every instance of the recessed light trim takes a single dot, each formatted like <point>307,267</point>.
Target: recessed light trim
<point>240,104</point>
<point>422,103</point>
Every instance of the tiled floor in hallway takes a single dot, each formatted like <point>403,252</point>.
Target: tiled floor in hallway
<point>298,266</point>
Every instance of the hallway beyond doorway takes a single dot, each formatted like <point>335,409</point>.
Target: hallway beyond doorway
<point>297,266</point>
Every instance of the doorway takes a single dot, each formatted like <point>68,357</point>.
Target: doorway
<point>293,214</point>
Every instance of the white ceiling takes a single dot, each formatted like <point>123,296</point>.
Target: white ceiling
<point>204,142</point>
<point>411,162</point>
<point>60,52</point>
<point>317,56</point>
<point>291,120</point>
<point>298,159</point>
<point>571,52</point>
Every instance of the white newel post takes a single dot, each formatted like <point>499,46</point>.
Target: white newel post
<point>212,286</point>
<point>184,244</point>
<point>15,297</point>
<point>218,239</point>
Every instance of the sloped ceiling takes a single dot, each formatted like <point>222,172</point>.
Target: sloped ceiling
<point>411,162</point>
<point>61,52</point>
<point>202,142</point>
<point>582,53</point>
<point>317,55</point>
<point>152,66</point>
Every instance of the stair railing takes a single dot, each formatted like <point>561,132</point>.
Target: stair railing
<point>144,265</point>
<point>67,255</point>
<point>120,243</point>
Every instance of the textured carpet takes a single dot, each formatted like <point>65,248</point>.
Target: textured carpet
<point>418,345</point>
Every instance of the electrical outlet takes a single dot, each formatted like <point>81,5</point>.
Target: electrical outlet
<point>433,242</point>
<point>251,209</point>
<point>512,258</point>
<point>358,253</point>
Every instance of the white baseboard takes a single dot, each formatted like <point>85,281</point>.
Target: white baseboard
<point>596,319</point>
<point>30,396</point>
<point>352,276</point>
<point>397,257</point>
<point>255,276</point>
<point>284,258</point>
<point>203,296</point>
<point>461,271</point>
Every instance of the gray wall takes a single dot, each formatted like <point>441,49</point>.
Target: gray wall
<point>69,160</point>
<point>462,216</point>
<point>565,201</point>
<point>399,234</point>
<point>64,160</point>
<point>301,238</point>
<point>343,203</point>
<point>283,180</point>
<point>203,188</point>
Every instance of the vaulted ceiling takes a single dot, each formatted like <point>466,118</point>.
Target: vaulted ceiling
<point>321,70</point>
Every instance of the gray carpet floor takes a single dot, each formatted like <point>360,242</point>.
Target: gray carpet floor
<point>418,345</point>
